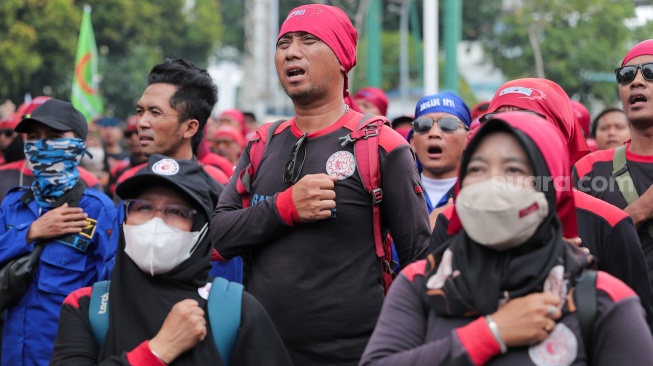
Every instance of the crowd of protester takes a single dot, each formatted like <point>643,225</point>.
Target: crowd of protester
<point>517,232</point>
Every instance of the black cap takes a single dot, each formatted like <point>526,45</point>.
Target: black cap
<point>185,175</point>
<point>60,115</point>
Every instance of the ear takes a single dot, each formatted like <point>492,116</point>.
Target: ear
<point>190,128</point>
<point>412,141</point>
<point>342,70</point>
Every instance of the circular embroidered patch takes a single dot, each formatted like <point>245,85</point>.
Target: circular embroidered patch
<point>166,167</point>
<point>558,349</point>
<point>341,164</point>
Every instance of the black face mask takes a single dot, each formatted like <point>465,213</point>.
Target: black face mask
<point>14,151</point>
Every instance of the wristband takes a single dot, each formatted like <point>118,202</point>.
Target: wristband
<point>157,356</point>
<point>494,328</point>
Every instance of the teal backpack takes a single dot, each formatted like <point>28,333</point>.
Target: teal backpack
<point>224,304</point>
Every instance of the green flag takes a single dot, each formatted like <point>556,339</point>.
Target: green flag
<point>86,97</point>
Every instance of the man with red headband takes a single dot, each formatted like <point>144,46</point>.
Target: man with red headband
<point>623,176</point>
<point>309,233</point>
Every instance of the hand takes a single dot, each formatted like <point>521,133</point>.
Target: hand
<point>522,321</point>
<point>183,328</point>
<point>433,216</point>
<point>642,209</point>
<point>577,242</point>
<point>314,197</point>
<point>60,221</point>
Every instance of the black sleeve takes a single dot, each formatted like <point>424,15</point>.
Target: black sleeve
<point>258,341</point>
<point>75,345</point>
<point>234,229</point>
<point>624,259</point>
<point>403,210</point>
<point>621,337</point>
<point>439,234</point>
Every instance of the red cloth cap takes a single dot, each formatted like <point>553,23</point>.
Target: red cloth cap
<point>132,124</point>
<point>582,116</point>
<point>480,109</point>
<point>237,116</point>
<point>552,145</point>
<point>26,109</point>
<point>546,98</point>
<point>329,24</point>
<point>229,132</point>
<point>640,49</point>
<point>9,122</point>
<point>375,96</point>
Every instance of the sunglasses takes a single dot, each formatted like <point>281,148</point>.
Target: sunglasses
<point>129,134</point>
<point>446,124</point>
<point>626,74</point>
<point>489,116</point>
<point>296,163</point>
<point>227,143</point>
<point>7,133</point>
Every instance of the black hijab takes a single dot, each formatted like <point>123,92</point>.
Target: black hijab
<point>139,302</point>
<point>481,277</point>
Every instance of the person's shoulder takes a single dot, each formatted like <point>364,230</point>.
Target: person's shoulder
<point>98,197</point>
<point>414,270</point>
<point>14,165</point>
<point>73,298</point>
<point>14,195</point>
<point>613,287</point>
<point>586,164</point>
<point>130,172</point>
<point>390,139</point>
<point>590,205</point>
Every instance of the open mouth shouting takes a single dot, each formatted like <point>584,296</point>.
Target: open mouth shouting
<point>637,100</point>
<point>295,73</point>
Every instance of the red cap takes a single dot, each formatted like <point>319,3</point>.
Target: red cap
<point>26,109</point>
<point>375,96</point>
<point>237,116</point>
<point>9,122</point>
<point>582,116</point>
<point>640,49</point>
<point>132,124</point>
<point>480,109</point>
<point>229,132</point>
<point>329,24</point>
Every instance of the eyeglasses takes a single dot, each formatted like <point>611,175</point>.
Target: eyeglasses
<point>7,133</point>
<point>446,124</point>
<point>626,74</point>
<point>489,116</point>
<point>293,168</point>
<point>177,216</point>
<point>129,134</point>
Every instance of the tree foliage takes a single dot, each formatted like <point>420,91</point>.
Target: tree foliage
<point>38,40</point>
<point>575,36</point>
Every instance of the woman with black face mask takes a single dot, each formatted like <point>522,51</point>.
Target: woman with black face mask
<point>501,291</point>
<point>158,307</point>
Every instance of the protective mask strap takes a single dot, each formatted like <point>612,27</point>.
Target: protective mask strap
<point>200,237</point>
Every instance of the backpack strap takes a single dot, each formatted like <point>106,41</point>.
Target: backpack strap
<point>365,137</point>
<point>585,299</point>
<point>625,181</point>
<point>259,145</point>
<point>224,306</point>
<point>98,311</point>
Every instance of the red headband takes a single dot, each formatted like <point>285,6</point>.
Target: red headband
<point>640,49</point>
<point>329,24</point>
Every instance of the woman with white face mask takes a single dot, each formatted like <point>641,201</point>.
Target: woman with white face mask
<point>501,290</point>
<point>157,299</point>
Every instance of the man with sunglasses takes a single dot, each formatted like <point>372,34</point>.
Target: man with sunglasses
<point>438,137</point>
<point>623,176</point>
<point>309,231</point>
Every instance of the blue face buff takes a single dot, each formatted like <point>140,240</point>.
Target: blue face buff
<point>54,164</point>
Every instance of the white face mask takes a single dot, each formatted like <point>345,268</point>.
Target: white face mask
<point>157,248</point>
<point>500,216</point>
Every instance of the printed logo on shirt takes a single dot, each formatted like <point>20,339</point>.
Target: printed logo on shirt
<point>530,93</point>
<point>165,167</point>
<point>342,164</point>
<point>204,291</point>
<point>558,349</point>
<point>306,11</point>
<point>89,229</point>
<point>259,198</point>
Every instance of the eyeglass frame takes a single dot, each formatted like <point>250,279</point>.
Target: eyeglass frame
<point>434,121</point>
<point>289,174</point>
<point>129,202</point>
<point>638,67</point>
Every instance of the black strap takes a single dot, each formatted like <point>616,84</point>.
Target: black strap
<point>273,129</point>
<point>585,299</point>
